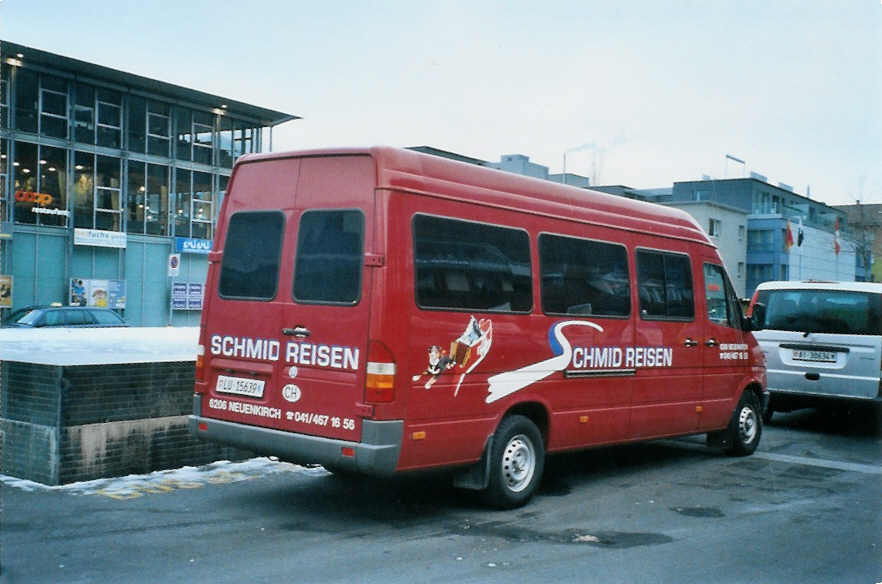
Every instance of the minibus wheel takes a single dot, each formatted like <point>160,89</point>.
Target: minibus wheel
<point>745,427</point>
<point>517,459</point>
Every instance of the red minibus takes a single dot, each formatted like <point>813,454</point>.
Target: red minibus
<point>380,310</point>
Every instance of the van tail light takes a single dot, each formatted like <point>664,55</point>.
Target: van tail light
<point>200,363</point>
<point>380,381</point>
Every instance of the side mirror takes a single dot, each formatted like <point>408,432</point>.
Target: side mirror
<point>757,320</point>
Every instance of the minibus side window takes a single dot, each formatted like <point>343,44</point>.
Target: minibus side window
<point>471,266</point>
<point>583,277</point>
<point>664,285</point>
<point>329,257</point>
<point>250,266</point>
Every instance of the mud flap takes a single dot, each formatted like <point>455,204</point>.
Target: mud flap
<point>719,439</point>
<point>477,476</point>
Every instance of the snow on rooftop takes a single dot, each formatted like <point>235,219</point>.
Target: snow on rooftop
<point>98,346</point>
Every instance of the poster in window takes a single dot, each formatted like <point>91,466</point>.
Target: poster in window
<point>5,291</point>
<point>187,295</point>
<point>77,292</point>
<point>100,293</point>
<point>194,296</point>
<point>179,296</point>
<point>116,293</point>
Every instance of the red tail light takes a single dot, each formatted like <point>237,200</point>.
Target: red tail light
<point>200,363</point>
<point>380,381</point>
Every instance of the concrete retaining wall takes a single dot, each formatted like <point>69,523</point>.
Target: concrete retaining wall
<point>69,423</point>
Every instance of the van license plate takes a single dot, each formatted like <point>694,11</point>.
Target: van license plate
<point>816,356</point>
<point>239,385</point>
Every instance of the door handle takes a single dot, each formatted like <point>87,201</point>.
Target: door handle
<point>690,343</point>
<point>710,343</point>
<point>299,331</point>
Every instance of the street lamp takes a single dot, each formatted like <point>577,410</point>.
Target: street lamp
<point>588,146</point>
<point>736,159</point>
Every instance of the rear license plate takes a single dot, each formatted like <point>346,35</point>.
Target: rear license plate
<point>816,356</point>
<point>240,386</point>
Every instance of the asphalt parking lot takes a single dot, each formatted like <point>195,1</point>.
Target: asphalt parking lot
<point>804,508</point>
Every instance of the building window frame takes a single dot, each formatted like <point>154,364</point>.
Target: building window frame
<point>87,105</point>
<point>101,195</point>
<point>47,115</point>
<point>105,126</point>
<point>158,125</point>
<point>202,208</point>
<point>139,195</point>
<point>25,93</point>
<point>4,169</point>
<point>98,188</point>
<point>4,97</point>
<point>41,200</point>
<point>202,124</point>
<point>714,227</point>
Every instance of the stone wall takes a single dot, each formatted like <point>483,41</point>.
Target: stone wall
<point>63,424</point>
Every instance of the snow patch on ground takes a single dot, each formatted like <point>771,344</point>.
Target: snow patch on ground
<point>188,477</point>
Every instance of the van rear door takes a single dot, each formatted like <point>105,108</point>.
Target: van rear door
<point>822,341</point>
<point>287,337</point>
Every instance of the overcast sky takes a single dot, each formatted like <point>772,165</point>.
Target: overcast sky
<point>642,93</point>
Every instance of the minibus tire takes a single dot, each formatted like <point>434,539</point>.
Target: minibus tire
<point>517,459</point>
<point>746,426</point>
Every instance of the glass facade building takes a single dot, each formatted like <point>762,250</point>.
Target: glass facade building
<point>103,175</point>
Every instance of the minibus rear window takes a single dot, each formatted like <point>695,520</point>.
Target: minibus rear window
<point>329,257</point>
<point>471,266</point>
<point>250,266</point>
<point>584,277</point>
<point>822,311</point>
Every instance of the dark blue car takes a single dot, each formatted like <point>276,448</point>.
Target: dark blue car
<point>66,316</point>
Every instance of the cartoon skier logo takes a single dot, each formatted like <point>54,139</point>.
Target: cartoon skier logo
<point>439,362</point>
<point>466,352</point>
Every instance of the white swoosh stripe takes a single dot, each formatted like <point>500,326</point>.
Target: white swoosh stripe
<point>505,384</point>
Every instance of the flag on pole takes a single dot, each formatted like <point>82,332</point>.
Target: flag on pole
<point>799,235</point>
<point>836,246</point>
<point>788,237</point>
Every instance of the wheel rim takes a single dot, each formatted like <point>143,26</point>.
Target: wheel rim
<point>518,463</point>
<point>747,424</point>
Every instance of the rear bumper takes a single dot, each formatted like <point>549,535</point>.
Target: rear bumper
<point>787,393</point>
<point>818,382</point>
<point>376,454</point>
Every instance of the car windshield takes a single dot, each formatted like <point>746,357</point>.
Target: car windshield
<point>822,311</point>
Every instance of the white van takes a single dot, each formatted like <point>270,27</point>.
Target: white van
<point>820,340</point>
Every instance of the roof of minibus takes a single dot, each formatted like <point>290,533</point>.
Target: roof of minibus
<point>411,171</point>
